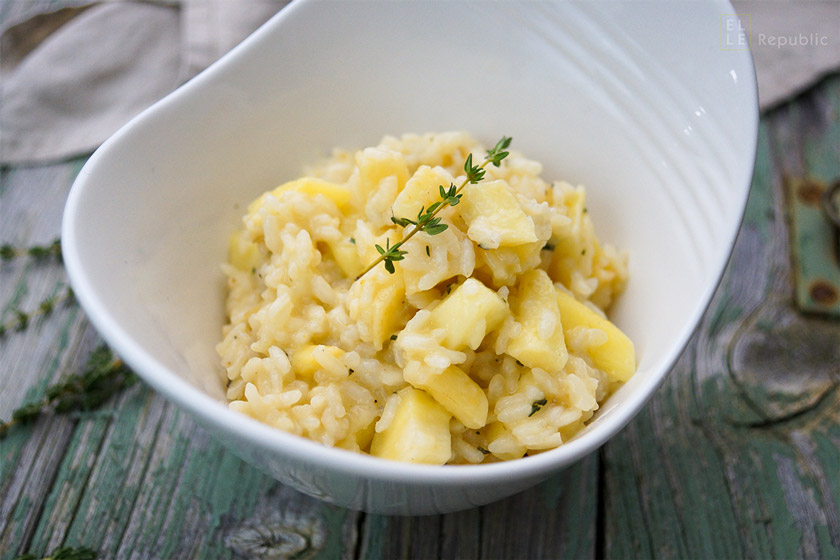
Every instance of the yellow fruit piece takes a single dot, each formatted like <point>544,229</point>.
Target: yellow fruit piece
<point>384,314</point>
<point>421,190</point>
<point>376,163</point>
<point>365,436</point>
<point>304,362</point>
<point>347,257</point>
<point>617,356</point>
<point>462,397</point>
<point>243,253</point>
<point>419,432</point>
<point>497,431</point>
<point>572,251</point>
<point>494,217</point>
<point>540,343</point>
<point>468,313</point>
<point>339,194</point>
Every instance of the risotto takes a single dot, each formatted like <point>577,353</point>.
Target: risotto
<point>487,341</point>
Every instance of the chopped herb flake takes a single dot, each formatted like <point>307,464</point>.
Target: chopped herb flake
<point>536,406</point>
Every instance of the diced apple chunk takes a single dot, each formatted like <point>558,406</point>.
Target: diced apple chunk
<point>616,357</point>
<point>365,436</point>
<point>421,190</point>
<point>339,194</point>
<point>504,439</point>
<point>468,314</point>
<point>462,397</point>
<point>418,433</point>
<point>347,257</point>
<point>304,360</point>
<point>540,343</point>
<point>376,163</point>
<point>383,312</point>
<point>243,253</point>
<point>494,217</point>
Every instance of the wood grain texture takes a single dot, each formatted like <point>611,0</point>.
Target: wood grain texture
<point>737,455</point>
<point>138,479</point>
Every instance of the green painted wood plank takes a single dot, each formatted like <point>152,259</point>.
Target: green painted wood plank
<point>737,454</point>
<point>401,537</point>
<point>163,488</point>
<point>32,202</point>
<point>555,519</point>
<point>461,536</point>
<point>105,465</point>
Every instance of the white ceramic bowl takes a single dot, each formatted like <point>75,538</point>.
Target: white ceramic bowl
<point>647,104</point>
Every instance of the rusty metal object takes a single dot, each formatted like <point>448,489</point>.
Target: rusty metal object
<point>814,211</point>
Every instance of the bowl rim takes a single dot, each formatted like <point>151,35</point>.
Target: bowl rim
<point>217,416</point>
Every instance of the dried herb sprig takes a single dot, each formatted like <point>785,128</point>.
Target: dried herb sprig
<point>426,219</point>
<point>52,249</point>
<point>64,553</point>
<point>21,319</point>
<point>103,376</point>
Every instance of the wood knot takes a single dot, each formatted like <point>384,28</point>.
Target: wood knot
<point>783,362</point>
<point>282,536</point>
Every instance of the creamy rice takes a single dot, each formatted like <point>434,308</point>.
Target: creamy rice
<point>312,350</point>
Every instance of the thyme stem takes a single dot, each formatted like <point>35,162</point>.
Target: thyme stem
<point>450,197</point>
<point>53,249</point>
<point>103,376</point>
<point>22,318</point>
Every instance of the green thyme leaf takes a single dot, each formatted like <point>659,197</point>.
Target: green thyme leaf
<point>497,154</point>
<point>536,406</point>
<point>436,229</point>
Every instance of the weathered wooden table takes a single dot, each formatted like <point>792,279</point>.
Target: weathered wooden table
<point>736,456</point>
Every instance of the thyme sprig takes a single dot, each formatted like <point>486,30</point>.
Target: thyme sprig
<point>52,249</point>
<point>426,219</point>
<point>103,376</point>
<point>21,319</point>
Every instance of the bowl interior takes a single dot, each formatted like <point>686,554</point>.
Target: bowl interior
<point>658,121</point>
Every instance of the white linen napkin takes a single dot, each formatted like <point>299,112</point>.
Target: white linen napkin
<point>71,75</point>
